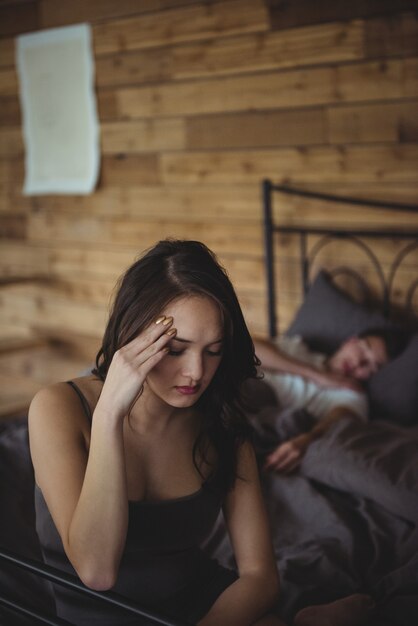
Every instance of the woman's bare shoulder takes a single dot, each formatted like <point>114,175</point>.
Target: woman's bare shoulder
<point>64,394</point>
<point>59,405</point>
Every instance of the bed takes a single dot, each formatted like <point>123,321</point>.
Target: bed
<point>347,520</point>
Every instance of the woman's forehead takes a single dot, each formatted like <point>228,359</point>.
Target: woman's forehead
<point>196,315</point>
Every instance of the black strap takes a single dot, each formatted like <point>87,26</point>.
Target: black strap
<point>83,400</point>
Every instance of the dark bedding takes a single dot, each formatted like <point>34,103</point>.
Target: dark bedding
<point>346,521</point>
<point>17,523</point>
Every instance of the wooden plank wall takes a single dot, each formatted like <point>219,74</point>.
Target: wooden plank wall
<point>198,102</point>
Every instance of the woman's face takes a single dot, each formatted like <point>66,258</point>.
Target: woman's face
<point>195,352</point>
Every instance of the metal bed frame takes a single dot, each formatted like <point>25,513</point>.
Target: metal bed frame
<point>56,576</point>
<point>355,235</point>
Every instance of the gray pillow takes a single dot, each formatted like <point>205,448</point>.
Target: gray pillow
<point>328,316</point>
<point>393,390</point>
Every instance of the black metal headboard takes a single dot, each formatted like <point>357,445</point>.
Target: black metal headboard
<point>327,234</point>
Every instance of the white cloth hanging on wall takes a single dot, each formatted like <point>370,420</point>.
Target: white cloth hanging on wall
<point>60,124</point>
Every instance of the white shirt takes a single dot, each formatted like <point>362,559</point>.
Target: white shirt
<point>297,392</point>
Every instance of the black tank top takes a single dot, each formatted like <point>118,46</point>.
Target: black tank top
<point>162,566</point>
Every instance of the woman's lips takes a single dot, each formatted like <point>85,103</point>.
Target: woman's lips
<point>188,391</point>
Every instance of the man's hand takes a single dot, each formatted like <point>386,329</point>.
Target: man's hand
<point>287,456</point>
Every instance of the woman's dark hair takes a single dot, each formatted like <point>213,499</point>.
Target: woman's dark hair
<point>174,269</point>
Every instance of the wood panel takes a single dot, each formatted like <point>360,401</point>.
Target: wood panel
<point>179,202</point>
<point>323,214</point>
<point>11,142</point>
<point>11,172</point>
<point>16,393</point>
<point>8,82</point>
<point>18,259</point>
<point>327,164</point>
<point>142,136</point>
<point>389,192</point>
<point>10,112</point>
<point>258,92</point>
<point>7,52</point>
<point>272,90</point>
<point>41,365</point>
<point>85,289</point>
<point>235,55</point>
<point>386,250</point>
<point>134,169</point>
<point>179,25</point>
<point>11,198</point>
<point>410,78</point>
<point>373,80</point>
<point>17,18</point>
<point>22,374</point>
<point>53,13</point>
<point>390,36</point>
<point>222,238</point>
<point>39,308</point>
<point>12,226</point>
<point>395,122</point>
<point>251,130</point>
<point>287,14</point>
<point>94,263</point>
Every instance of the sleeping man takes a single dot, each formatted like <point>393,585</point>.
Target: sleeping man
<point>326,387</point>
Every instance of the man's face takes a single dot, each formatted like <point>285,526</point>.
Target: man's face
<point>359,358</point>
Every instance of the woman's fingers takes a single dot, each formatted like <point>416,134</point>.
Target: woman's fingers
<point>150,342</point>
<point>161,326</point>
<point>132,363</point>
<point>146,356</point>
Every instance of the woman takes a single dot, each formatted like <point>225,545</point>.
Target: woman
<point>133,462</point>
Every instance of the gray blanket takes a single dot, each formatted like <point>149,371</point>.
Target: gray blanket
<point>346,521</point>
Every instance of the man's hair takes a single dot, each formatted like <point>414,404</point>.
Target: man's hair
<point>395,339</point>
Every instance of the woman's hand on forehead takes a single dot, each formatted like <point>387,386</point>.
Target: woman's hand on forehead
<point>131,365</point>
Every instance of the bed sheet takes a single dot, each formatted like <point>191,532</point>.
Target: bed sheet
<point>346,521</point>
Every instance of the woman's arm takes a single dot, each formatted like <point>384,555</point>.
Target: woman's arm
<point>85,485</point>
<point>85,491</point>
<point>254,593</point>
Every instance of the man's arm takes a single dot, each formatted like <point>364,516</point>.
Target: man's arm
<point>288,455</point>
<point>274,359</point>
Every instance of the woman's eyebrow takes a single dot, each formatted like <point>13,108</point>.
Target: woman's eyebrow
<point>189,341</point>
<point>180,339</point>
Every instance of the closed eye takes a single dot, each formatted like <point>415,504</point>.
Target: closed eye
<point>209,352</point>
<point>214,353</point>
<point>175,352</point>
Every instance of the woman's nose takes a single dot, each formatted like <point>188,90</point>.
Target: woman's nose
<point>193,368</point>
